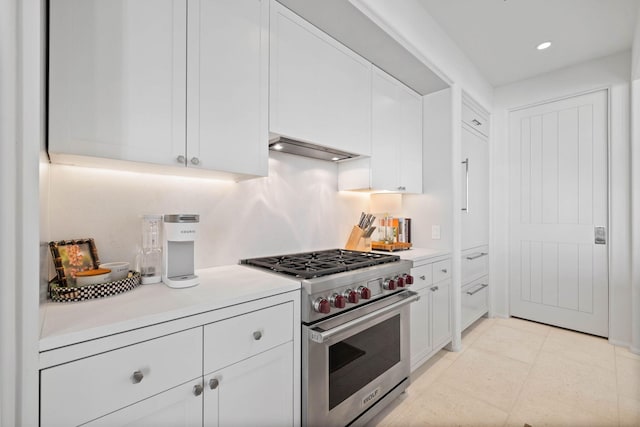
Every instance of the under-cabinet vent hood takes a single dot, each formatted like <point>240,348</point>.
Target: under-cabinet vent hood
<point>286,145</point>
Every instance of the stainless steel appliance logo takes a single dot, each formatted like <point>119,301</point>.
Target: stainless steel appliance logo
<point>371,397</point>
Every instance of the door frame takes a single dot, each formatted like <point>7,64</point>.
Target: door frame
<point>608,90</point>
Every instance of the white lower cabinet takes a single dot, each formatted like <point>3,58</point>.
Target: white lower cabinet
<point>431,314</point>
<point>232,369</point>
<point>177,407</point>
<point>475,301</point>
<point>257,391</point>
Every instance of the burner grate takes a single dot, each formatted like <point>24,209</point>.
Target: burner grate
<point>308,265</point>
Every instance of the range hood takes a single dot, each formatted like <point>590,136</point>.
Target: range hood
<point>300,148</point>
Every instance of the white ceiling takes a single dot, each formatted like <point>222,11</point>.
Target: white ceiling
<point>500,36</point>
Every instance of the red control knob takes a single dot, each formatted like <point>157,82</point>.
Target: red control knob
<point>389,285</point>
<point>338,301</point>
<point>352,296</point>
<point>365,292</point>
<point>408,279</point>
<point>400,282</point>
<point>321,305</point>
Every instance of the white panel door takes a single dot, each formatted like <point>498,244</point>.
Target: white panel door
<point>117,71</point>
<point>475,194</point>
<point>228,83</point>
<point>559,275</point>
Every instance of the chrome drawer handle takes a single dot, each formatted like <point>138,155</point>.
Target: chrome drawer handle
<point>482,286</point>
<point>435,288</point>
<point>257,335</point>
<point>423,277</point>
<point>476,256</point>
<point>444,270</point>
<point>476,122</point>
<point>181,159</point>
<point>214,383</point>
<point>137,377</point>
<point>198,389</point>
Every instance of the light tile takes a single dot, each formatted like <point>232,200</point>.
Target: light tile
<point>584,386</point>
<point>442,406</point>
<point>474,331</point>
<point>628,373</point>
<point>629,412</point>
<point>495,379</point>
<point>537,409</point>
<point>425,375</point>
<point>624,352</point>
<point>525,325</point>
<point>581,348</point>
<point>517,344</point>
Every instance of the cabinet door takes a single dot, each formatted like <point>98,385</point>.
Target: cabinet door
<point>320,91</point>
<point>420,344</point>
<point>441,313</point>
<point>475,194</point>
<point>117,73</point>
<point>228,59</point>
<point>257,391</point>
<point>177,407</point>
<point>386,132</point>
<point>411,141</point>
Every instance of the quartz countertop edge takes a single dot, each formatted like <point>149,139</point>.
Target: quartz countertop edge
<point>419,254</point>
<point>70,323</point>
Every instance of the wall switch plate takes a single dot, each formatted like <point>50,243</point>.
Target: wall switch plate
<point>435,232</point>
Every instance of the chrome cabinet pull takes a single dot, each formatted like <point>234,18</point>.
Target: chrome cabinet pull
<point>466,171</point>
<point>423,277</point>
<point>214,383</point>
<point>476,122</point>
<point>198,389</point>
<point>444,270</point>
<point>195,161</point>
<point>475,291</point>
<point>257,335</point>
<point>181,159</point>
<point>137,377</point>
<point>476,256</point>
<point>435,288</point>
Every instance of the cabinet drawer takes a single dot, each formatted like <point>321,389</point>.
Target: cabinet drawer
<point>474,264</point>
<point>475,301</point>
<point>475,120</point>
<point>441,270</point>
<point>422,276</point>
<point>85,389</point>
<point>237,338</point>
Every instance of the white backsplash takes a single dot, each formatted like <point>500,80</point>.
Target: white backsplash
<point>296,208</point>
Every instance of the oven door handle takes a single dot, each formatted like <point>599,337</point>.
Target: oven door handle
<point>321,337</point>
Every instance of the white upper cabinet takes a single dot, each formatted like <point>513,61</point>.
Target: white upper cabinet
<point>117,72</point>
<point>140,81</point>
<point>320,91</point>
<point>228,83</point>
<point>396,149</point>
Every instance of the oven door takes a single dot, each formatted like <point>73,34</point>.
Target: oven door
<point>353,360</point>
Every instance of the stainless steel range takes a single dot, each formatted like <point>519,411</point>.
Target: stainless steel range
<point>355,331</point>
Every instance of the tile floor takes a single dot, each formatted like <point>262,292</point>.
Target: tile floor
<point>512,372</point>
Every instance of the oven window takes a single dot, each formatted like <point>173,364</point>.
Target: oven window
<point>361,358</point>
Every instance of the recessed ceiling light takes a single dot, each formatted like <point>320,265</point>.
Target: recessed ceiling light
<point>335,159</point>
<point>543,46</point>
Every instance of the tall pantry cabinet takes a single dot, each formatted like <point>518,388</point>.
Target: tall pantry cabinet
<point>474,211</point>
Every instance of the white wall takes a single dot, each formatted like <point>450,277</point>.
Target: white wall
<point>635,63</point>
<point>296,208</point>
<point>413,27</point>
<point>610,72</point>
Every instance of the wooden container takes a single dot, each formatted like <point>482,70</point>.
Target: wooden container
<point>397,246</point>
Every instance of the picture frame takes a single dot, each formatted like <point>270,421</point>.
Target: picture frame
<point>73,256</point>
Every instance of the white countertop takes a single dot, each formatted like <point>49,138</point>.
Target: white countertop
<point>69,323</point>
<point>419,254</point>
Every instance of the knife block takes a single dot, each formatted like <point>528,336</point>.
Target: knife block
<point>357,241</point>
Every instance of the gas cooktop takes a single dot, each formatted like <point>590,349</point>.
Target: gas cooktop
<point>308,265</point>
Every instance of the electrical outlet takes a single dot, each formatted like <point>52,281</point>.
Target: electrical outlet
<point>435,232</point>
